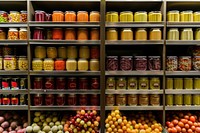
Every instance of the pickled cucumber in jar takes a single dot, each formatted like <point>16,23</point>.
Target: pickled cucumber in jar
<point>169,100</point>
<point>187,99</point>
<point>178,99</point>
<point>132,83</point>
<point>143,83</point>
<point>154,83</point>
<point>169,83</point>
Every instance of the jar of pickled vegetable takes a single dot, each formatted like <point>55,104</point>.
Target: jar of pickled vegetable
<point>94,16</point>
<point>178,99</point>
<point>94,34</point>
<point>83,99</point>
<point>51,52</point>
<point>187,34</point>
<point>141,34</point>
<point>49,99</point>
<point>112,16</point>
<point>84,52</point>
<point>121,83</point>
<point>22,63</point>
<point>94,52</point>
<point>23,34</point>
<point>121,100</point>
<point>14,16</point>
<point>13,34</point>
<point>110,83</point>
<point>169,83</point>
<point>185,63</point>
<point>187,16</point>
<point>155,100</point>
<point>82,16</point>
<point>71,65</point>
<point>38,83</point>
<point>132,100</point>
<point>1,63</point>
<point>40,15</point>
<point>143,100</point>
<point>38,33</point>
<point>197,34</point>
<point>154,63</point>
<point>178,83</point>
<point>196,83</point>
<point>132,83</point>
<point>188,83</point>
<point>197,16</point>
<point>37,64</point>
<point>57,16</point>
<point>48,64</point>
<point>59,64</point>
<point>10,62</point>
<point>154,83</point>
<point>155,34</point>
<point>3,16</point>
<point>126,63</point>
<point>169,100</point>
<point>173,16</point>
<point>2,34</point>
<point>172,63</point>
<point>70,16</point>
<point>140,63</point>
<point>57,34</point>
<point>112,63</point>
<point>40,52</point>
<point>110,100</point>
<point>173,34</point>
<point>196,99</point>
<point>94,65</point>
<point>127,34</point>
<point>82,34</point>
<point>140,16</point>
<point>23,16</point>
<point>126,16</point>
<point>112,34</point>
<point>83,65</point>
<point>72,52</point>
<point>62,52</point>
<point>188,99</point>
<point>143,83</point>
<point>155,16</point>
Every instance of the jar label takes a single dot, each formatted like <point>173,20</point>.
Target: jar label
<point>143,84</point>
<point>121,84</point>
<point>48,85</point>
<point>132,84</point>
<point>156,84</point>
<point>110,85</point>
<point>72,85</point>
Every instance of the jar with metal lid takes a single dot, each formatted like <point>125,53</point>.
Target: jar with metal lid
<point>40,52</point>
<point>49,83</point>
<point>70,34</point>
<point>13,34</point>
<point>23,34</point>
<point>3,16</point>
<point>83,65</point>
<point>94,34</point>
<point>173,16</point>
<point>60,99</point>
<point>10,63</point>
<point>155,16</point>
<point>112,63</point>
<point>197,34</point>
<point>196,83</point>
<point>126,63</point>
<point>14,100</point>
<point>14,16</point>
<point>154,63</point>
<point>141,34</point>
<point>6,100</point>
<point>132,83</point>
<point>126,34</point>
<point>1,63</point>
<point>140,16</point>
<point>155,100</point>
<point>23,16</point>
<point>178,99</point>
<point>169,100</point>
<point>155,34</point>
<point>37,64</point>
<point>143,83</point>
<point>72,99</point>
<point>94,65</point>
<point>187,16</point>
<point>5,84</point>
<point>196,51</point>
<point>187,34</point>
<point>110,100</point>
<point>196,16</point>
<point>49,99</point>
<point>2,34</point>
<point>140,63</point>
<point>72,52</point>
<point>173,34</point>
<point>38,83</point>
<point>187,99</point>
<point>110,83</point>
<point>83,99</point>
<point>37,100</point>
<point>60,64</point>
<point>169,83</point>
<point>22,63</point>
<point>112,34</point>
<point>72,83</point>
<point>82,34</point>
<point>84,52</point>
<point>62,52</point>
<point>132,100</point>
<point>185,63</point>
<point>172,63</point>
<point>57,34</point>
<point>51,52</point>
<point>83,83</point>
<point>143,100</point>
<point>57,16</point>
<point>82,16</point>
<point>112,16</point>
<point>48,64</point>
<point>196,99</point>
<point>121,100</point>
<point>94,52</point>
<point>94,16</point>
<point>188,83</point>
<point>38,33</point>
<point>71,65</point>
<point>94,100</point>
<point>70,16</point>
<point>40,16</point>
<point>95,83</point>
<point>126,16</point>
<point>60,83</point>
<point>154,83</point>
<point>121,83</point>
<point>178,83</point>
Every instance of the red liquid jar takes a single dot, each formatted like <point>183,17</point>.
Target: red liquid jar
<point>5,100</point>
<point>94,52</point>
<point>40,15</point>
<point>94,99</point>
<point>38,34</point>
<point>83,99</point>
<point>72,99</point>
<point>60,83</point>
<point>83,83</point>
<point>60,99</point>
<point>38,83</point>
<point>49,100</point>
<point>72,83</point>
<point>38,100</point>
<point>14,100</point>
<point>49,83</point>
<point>95,83</point>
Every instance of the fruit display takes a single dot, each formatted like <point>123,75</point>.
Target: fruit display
<point>12,122</point>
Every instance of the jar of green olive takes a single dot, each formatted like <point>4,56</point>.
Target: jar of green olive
<point>132,83</point>
<point>22,63</point>
<point>178,99</point>
<point>188,83</point>
<point>196,99</point>
<point>187,99</point>
<point>110,83</point>
<point>196,83</point>
<point>143,83</point>
<point>121,83</point>
<point>169,100</point>
<point>178,83</point>
<point>169,83</point>
<point>154,83</point>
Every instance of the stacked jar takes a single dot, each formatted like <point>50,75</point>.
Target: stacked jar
<point>13,16</point>
<point>14,83</point>
<point>14,99</point>
<point>13,34</point>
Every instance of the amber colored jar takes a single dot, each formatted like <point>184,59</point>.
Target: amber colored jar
<point>82,16</point>
<point>94,52</point>
<point>84,52</point>
<point>60,83</point>
<point>59,64</point>
<point>60,99</point>
<point>82,34</point>
<point>57,34</point>
<point>94,65</point>
<point>110,100</point>
<point>121,100</point>
<point>94,100</point>
<point>94,34</point>
<point>49,99</point>
<point>155,34</point>
<point>94,16</point>
<point>72,99</point>
<point>62,52</point>
<point>70,16</point>
<point>2,34</point>
<point>112,34</point>
<point>38,100</point>
<point>141,34</point>
<point>57,16</point>
<point>70,34</point>
<point>83,99</point>
<point>72,52</point>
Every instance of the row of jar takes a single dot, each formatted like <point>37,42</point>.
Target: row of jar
<point>13,83</point>
<point>71,52</point>
<point>129,83</point>
<point>126,63</point>
<point>61,99</point>
<point>8,50</point>
<point>183,34</point>
<point>127,34</point>
<point>128,16</point>
<point>66,34</point>
<point>182,83</point>
<point>70,83</point>
<point>68,16</point>
<point>183,63</point>
<point>13,16</point>
<point>133,100</point>
<point>180,99</point>
<point>49,64</point>
<point>13,34</point>
<point>13,99</point>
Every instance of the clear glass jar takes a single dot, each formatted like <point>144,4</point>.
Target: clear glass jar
<point>140,16</point>
<point>62,52</point>
<point>172,63</point>
<point>57,34</point>
<point>188,83</point>
<point>40,16</point>
<point>110,83</point>
<point>173,16</point>
<point>155,100</point>
<point>126,63</point>
<point>51,52</point>
<point>94,34</point>
<point>38,33</point>
<point>94,65</point>
<point>59,64</point>
<point>187,16</point>
<point>71,65</point>
<point>126,16</point>
<point>173,34</point>
<point>187,99</point>
<point>132,83</point>
<point>112,16</point>
<point>22,63</point>
<point>48,64</point>
<point>141,34</point>
<point>94,16</point>
<point>72,52</point>
<point>82,34</point>
<point>70,34</point>
<point>58,16</point>
<point>196,16</point>
<point>187,34</point>
<point>185,63</point>
<point>143,100</point>
<point>84,52</point>
<point>83,65</point>
<point>14,16</point>
<point>37,64</point>
<point>3,16</point>
<point>178,83</point>
<point>197,34</point>
<point>112,63</point>
<point>154,83</point>
<point>154,63</point>
<point>23,16</point>
<point>70,16</point>
<point>196,99</point>
<point>155,16</point>
<point>143,83</point>
<point>82,16</point>
<point>110,100</point>
<point>112,34</point>
<point>10,62</point>
<point>121,100</point>
<point>121,83</point>
<point>132,100</point>
<point>1,63</point>
<point>2,34</point>
<point>155,34</point>
<point>23,34</point>
<point>13,34</point>
<point>140,63</point>
<point>40,52</point>
<point>127,34</point>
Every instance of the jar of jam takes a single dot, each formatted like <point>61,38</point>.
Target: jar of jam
<point>49,99</point>
<point>196,99</point>
<point>178,83</point>
<point>57,34</point>
<point>82,16</point>
<point>40,16</point>
<point>14,100</point>
<point>60,83</point>
<point>172,63</point>
<point>15,84</point>
<point>112,63</point>
<point>132,100</point>
<point>155,100</point>
<point>132,83</point>
<point>141,34</point>
<point>112,16</point>
<point>48,64</point>
<point>13,34</point>
<point>187,99</point>
<point>83,65</point>
<point>154,83</point>
<point>3,16</point>
<point>169,83</point>
<point>110,100</point>
<point>82,34</point>
<point>126,63</point>
<point>6,100</point>
<point>71,65</point>
<point>94,52</point>
<point>94,65</point>
<point>57,16</point>
<point>70,34</point>
<point>154,63</point>
<point>110,83</point>
<point>70,16</point>
<point>121,83</point>
<point>38,100</point>
<point>60,99</point>
<point>72,52</point>
<point>40,52</point>
<point>84,52</point>
<point>6,84</point>
<point>72,99</point>
<point>49,83</point>
<point>83,83</point>
<point>94,83</point>
<point>169,100</point>
<point>178,100</point>
<point>121,100</point>
<point>143,83</point>
<point>143,100</point>
<point>126,34</point>
<point>62,52</point>
<point>196,63</point>
<point>72,83</point>
<point>51,52</point>
<point>94,100</point>
<point>185,63</point>
<point>112,34</point>
<point>141,63</point>
<point>196,83</point>
<point>188,83</point>
<point>2,34</point>
<point>59,64</point>
<point>94,34</point>
<point>83,99</point>
<point>38,83</point>
<point>38,33</point>
<point>94,16</point>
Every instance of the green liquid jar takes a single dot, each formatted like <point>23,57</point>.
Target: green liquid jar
<point>154,83</point>
<point>178,100</point>
<point>196,83</point>
<point>169,100</point>
<point>169,83</point>
<point>188,99</point>
<point>196,99</point>
<point>188,83</point>
<point>110,83</point>
<point>178,83</point>
<point>143,83</point>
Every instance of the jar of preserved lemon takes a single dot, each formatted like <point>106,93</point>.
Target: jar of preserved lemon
<point>188,83</point>
<point>94,65</point>
<point>178,99</point>
<point>154,83</point>
<point>132,83</point>
<point>22,63</point>
<point>112,34</point>
<point>72,52</point>
<point>83,65</point>
<point>197,34</point>
<point>196,99</point>
<point>155,16</point>
<point>62,52</point>
<point>155,34</point>
<point>187,99</point>
<point>40,52</point>
<point>51,52</point>
<point>126,16</point>
<point>48,64</point>
<point>169,83</point>
<point>143,83</point>
<point>173,34</point>
<point>178,83</point>
<point>169,100</point>
<point>84,52</point>
<point>140,16</point>
<point>197,16</point>
<point>173,16</point>
<point>187,16</point>
<point>71,65</point>
<point>141,34</point>
<point>112,17</point>
<point>196,83</point>
<point>127,34</point>
<point>37,64</point>
<point>187,34</point>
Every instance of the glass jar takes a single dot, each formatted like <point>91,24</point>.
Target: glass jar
<point>70,34</point>
<point>62,52</point>
<point>22,100</point>
<point>126,34</point>
<point>38,33</point>
<point>57,16</point>
<point>3,16</point>
<point>110,100</point>
<point>140,63</point>
<point>37,64</point>
<point>23,34</point>
<point>188,83</point>
<point>14,100</point>
<point>121,100</point>
<point>173,16</point>
<point>94,100</point>
<point>121,83</point>
<point>154,63</point>
<point>196,63</point>
<point>132,83</point>
<point>49,100</point>
<point>40,52</point>
<point>196,51</point>
<point>173,34</point>
<point>57,34</point>
<point>154,83</point>
<point>1,63</point>
<point>112,63</point>
<point>126,63</point>
<point>13,34</point>
<point>83,65</point>
<point>196,83</point>
<point>94,16</point>
<point>7,50</point>
<point>110,83</point>
<point>60,83</point>
<point>196,99</point>
<point>72,52</point>
<point>70,16</point>
<point>14,83</point>
<point>6,100</point>
<point>94,84</point>
<point>132,100</point>
<point>49,83</point>
<point>83,100</point>
<point>10,63</point>
<point>143,100</point>
<point>178,83</point>
<point>94,65</point>
<point>143,83</point>
<point>169,100</point>
<point>155,34</point>
<point>38,83</point>
<point>83,83</point>
<point>140,16</point>
<point>5,84</point>
<point>187,99</point>
<point>60,99</point>
<point>94,52</point>
<point>82,34</point>
<point>126,16</point>
<point>38,100</point>
<point>71,65</point>
<point>112,34</point>
<point>112,16</point>
<point>169,83</point>
<point>22,63</point>
<point>82,16</point>
<point>197,34</point>
<point>23,83</point>
<point>185,63</point>
<point>14,16</point>
<point>72,99</point>
<point>187,16</point>
<point>23,16</point>
<point>49,34</point>
<point>155,100</point>
<point>60,64</point>
<point>84,52</point>
<point>48,64</point>
<point>72,83</point>
<point>51,52</point>
<point>178,99</point>
<point>94,34</point>
<point>40,16</point>
<point>155,16</point>
<point>196,16</point>
<point>141,34</point>
<point>172,63</point>
<point>2,34</point>
<point>187,34</point>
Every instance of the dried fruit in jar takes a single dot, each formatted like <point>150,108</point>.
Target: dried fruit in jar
<point>112,63</point>
<point>172,63</point>
<point>141,63</point>
<point>196,63</point>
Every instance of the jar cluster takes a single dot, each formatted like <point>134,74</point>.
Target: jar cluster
<point>13,99</point>
<point>13,16</point>
<point>66,34</point>
<point>133,100</point>
<point>69,83</point>
<point>67,16</point>
<point>13,34</point>
<point>128,16</point>
<point>127,63</point>
<point>13,83</point>
<point>61,99</point>
<point>129,83</point>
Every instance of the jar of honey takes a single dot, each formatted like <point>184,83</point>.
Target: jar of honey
<point>112,16</point>
<point>155,16</point>
<point>197,16</point>
<point>94,16</point>
<point>127,34</point>
<point>83,65</point>
<point>94,34</point>
<point>70,34</point>
<point>84,52</point>
<point>57,16</point>
<point>70,16</point>
<point>140,16</point>
<point>94,65</point>
<point>126,16</point>
<point>82,34</point>
<point>82,16</point>
<point>72,52</point>
<point>57,34</point>
<point>141,34</point>
<point>71,65</point>
<point>112,34</point>
<point>173,16</point>
<point>155,34</point>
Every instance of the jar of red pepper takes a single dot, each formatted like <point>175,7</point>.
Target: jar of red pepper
<point>49,83</point>
<point>60,99</point>
<point>14,100</point>
<point>38,33</point>
<point>83,99</point>
<point>57,34</point>
<point>40,15</point>
<point>38,100</point>
<point>94,52</point>
<point>5,100</point>
<point>38,83</point>
<point>94,99</point>
<point>95,83</point>
<point>72,83</point>
<point>49,100</point>
<point>83,83</point>
<point>60,83</point>
<point>72,99</point>
<point>59,64</point>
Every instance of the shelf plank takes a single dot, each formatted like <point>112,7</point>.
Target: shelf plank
<point>65,73</point>
<point>63,24</point>
<point>20,91</point>
<point>17,24</point>
<point>182,108</point>
<point>13,42</point>
<point>64,42</point>
<point>182,42</point>
<point>13,72</point>
<point>134,0</point>
<point>13,107</point>
<point>153,73</point>
<point>183,24</point>
<point>69,0</point>
<point>134,91</point>
<point>182,91</point>
<point>182,73</point>
<point>134,107</point>
<point>44,91</point>
<point>61,108</point>
<point>134,42</point>
<point>134,24</point>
